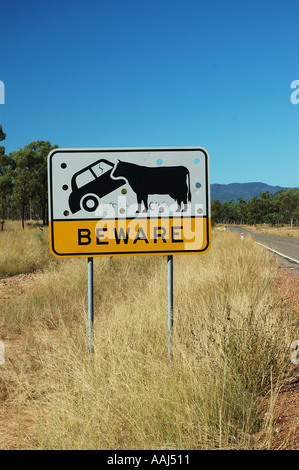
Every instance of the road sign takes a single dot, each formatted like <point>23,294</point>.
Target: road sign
<point>117,202</point>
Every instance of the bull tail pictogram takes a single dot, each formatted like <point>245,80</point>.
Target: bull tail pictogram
<point>188,185</point>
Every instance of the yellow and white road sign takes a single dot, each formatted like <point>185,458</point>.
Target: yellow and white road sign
<point>117,202</point>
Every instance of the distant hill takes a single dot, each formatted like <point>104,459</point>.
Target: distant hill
<point>224,192</point>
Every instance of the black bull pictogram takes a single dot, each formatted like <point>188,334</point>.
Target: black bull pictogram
<point>171,180</point>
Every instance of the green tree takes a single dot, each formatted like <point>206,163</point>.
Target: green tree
<point>254,210</point>
<point>5,179</point>
<point>216,211</point>
<point>289,204</point>
<point>241,210</point>
<point>30,176</point>
<point>23,178</point>
<point>228,211</point>
<point>2,135</point>
<point>40,151</point>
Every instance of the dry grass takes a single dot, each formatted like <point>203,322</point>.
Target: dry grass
<point>23,251</point>
<point>283,231</point>
<point>231,345</point>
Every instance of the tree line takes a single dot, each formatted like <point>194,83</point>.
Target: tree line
<point>24,183</point>
<point>24,193</point>
<point>274,209</point>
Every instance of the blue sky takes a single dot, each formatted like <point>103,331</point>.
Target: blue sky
<point>158,73</point>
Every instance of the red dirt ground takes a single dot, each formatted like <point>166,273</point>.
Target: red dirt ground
<point>286,425</point>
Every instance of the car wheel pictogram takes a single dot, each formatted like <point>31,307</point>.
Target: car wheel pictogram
<point>90,203</point>
<point>90,184</point>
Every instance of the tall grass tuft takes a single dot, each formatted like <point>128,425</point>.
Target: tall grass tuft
<point>23,251</point>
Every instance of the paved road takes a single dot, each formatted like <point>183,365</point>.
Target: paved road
<point>287,246</point>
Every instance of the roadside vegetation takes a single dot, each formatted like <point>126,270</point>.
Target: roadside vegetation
<point>273,210</point>
<point>280,231</point>
<point>24,251</point>
<point>24,193</point>
<point>231,350</point>
<point>266,229</point>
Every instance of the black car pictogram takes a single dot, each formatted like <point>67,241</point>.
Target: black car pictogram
<point>90,184</point>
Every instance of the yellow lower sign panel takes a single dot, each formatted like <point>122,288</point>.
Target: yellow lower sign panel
<point>123,237</point>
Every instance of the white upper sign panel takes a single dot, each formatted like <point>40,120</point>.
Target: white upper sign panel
<point>89,184</point>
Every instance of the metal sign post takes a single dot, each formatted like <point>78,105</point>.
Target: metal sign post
<point>129,202</point>
<point>90,304</point>
<point>170,303</point>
